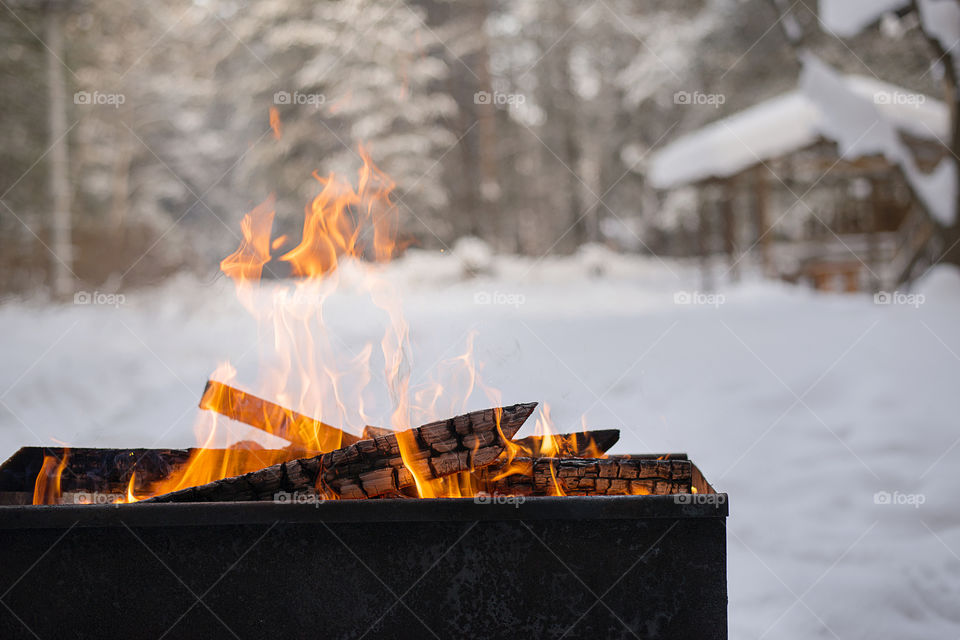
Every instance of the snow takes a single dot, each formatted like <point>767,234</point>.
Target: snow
<point>474,254</point>
<point>787,123</point>
<point>596,258</point>
<point>847,18</point>
<point>863,115</point>
<point>940,19</point>
<point>913,113</point>
<point>726,147</point>
<point>801,405</point>
<point>864,120</point>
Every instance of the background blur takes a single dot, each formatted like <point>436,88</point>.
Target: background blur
<point>136,135</point>
<point>726,227</point>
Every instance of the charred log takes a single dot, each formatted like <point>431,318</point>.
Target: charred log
<point>582,444</point>
<point>371,468</point>
<point>91,470</point>
<point>579,476</point>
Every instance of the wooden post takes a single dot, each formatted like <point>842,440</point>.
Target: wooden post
<point>61,240</point>
<point>761,218</point>
<point>873,220</point>
<point>730,228</point>
<point>703,235</point>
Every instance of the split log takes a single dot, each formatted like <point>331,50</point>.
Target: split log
<point>370,468</point>
<point>103,475</point>
<point>371,432</point>
<point>91,470</point>
<point>580,476</point>
<point>582,444</point>
<point>273,418</point>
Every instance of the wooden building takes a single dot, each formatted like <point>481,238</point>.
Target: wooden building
<point>782,186</point>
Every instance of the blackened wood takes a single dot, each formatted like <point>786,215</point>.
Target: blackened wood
<point>92,470</point>
<point>370,432</point>
<point>582,444</point>
<point>370,468</point>
<point>582,476</point>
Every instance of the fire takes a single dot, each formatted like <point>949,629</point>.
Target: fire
<point>47,488</point>
<point>348,233</point>
<point>544,428</point>
<point>129,496</point>
<point>313,390</point>
<point>275,123</point>
<point>426,488</point>
<point>549,445</point>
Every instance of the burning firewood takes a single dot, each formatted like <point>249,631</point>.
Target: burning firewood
<point>370,432</point>
<point>272,418</point>
<point>370,468</point>
<point>583,444</point>
<point>298,428</point>
<point>580,476</point>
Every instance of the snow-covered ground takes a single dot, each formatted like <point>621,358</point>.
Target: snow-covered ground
<point>801,406</point>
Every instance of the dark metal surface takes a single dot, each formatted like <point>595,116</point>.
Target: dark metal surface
<point>599,567</point>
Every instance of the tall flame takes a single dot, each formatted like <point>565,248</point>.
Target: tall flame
<point>312,387</point>
<point>347,233</point>
<point>46,490</point>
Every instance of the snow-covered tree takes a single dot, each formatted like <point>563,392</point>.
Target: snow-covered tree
<point>339,74</point>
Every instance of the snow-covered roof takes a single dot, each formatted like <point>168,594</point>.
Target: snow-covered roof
<point>847,18</point>
<point>784,124</point>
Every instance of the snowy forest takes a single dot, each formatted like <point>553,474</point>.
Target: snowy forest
<point>532,126</point>
<point>727,228</point>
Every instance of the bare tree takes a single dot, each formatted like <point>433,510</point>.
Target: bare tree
<point>60,223</point>
<point>945,55</point>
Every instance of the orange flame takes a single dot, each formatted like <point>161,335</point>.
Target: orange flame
<point>46,490</point>
<point>550,447</point>
<point>417,466</point>
<point>129,496</point>
<point>275,123</point>
<point>340,222</point>
<point>347,233</point>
